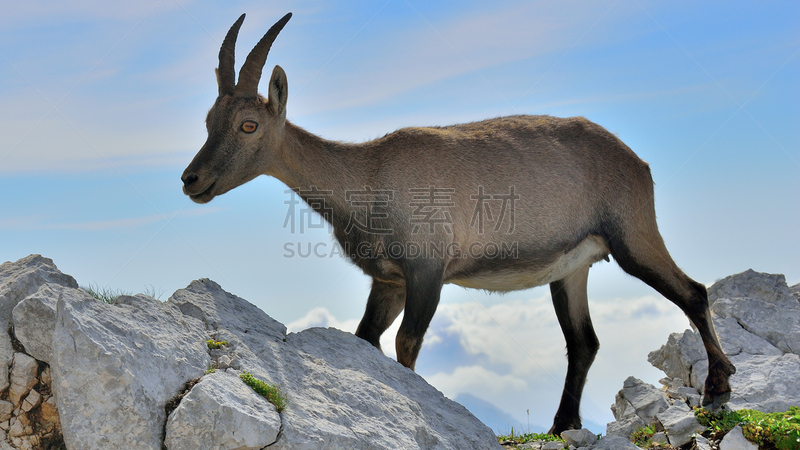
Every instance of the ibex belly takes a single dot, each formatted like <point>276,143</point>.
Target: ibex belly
<point>589,251</point>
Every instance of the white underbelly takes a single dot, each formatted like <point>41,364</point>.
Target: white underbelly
<point>589,251</point>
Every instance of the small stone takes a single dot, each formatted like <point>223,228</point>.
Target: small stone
<point>23,377</point>
<point>31,401</point>
<point>24,420</point>
<point>625,427</point>
<point>16,428</point>
<point>224,362</point>
<point>735,440</point>
<point>579,438</point>
<point>660,438</point>
<point>45,377</point>
<point>554,445</point>
<point>679,423</point>
<point>614,443</point>
<point>701,443</point>
<point>6,408</point>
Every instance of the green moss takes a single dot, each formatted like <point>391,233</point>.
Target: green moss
<point>780,430</point>
<point>272,393</point>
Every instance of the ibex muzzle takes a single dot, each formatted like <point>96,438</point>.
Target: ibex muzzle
<point>502,204</point>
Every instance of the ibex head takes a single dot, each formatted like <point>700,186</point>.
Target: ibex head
<point>242,125</point>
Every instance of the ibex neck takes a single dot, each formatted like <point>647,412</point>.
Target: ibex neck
<point>308,160</point>
<point>322,173</point>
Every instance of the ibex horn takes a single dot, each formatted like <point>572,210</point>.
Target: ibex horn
<point>225,71</point>
<point>250,74</point>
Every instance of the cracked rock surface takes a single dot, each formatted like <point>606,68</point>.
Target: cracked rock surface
<point>114,368</point>
<point>757,318</point>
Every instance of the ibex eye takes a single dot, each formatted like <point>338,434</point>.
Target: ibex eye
<point>249,126</point>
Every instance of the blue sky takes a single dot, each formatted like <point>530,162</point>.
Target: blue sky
<point>103,106</point>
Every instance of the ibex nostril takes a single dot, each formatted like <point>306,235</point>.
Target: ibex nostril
<point>189,179</point>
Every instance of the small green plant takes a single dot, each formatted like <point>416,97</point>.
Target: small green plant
<point>522,438</point>
<point>210,369</point>
<point>643,437</point>
<point>780,430</point>
<point>272,393</point>
<point>213,345</point>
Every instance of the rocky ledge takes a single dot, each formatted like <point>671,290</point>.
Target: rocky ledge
<point>86,374</point>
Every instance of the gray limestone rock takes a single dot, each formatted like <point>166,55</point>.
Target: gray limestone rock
<point>679,424</point>
<point>221,412</point>
<point>579,438</point>
<point>114,367</point>
<point>735,440</point>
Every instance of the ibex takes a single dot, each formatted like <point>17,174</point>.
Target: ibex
<point>500,205</point>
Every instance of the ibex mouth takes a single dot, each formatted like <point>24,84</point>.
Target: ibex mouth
<point>203,196</point>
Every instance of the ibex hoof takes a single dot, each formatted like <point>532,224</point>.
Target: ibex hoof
<point>714,402</point>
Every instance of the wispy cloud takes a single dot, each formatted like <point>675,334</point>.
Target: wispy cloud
<point>435,48</point>
<point>41,223</point>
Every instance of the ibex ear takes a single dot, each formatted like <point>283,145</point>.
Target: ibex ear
<point>216,72</point>
<point>278,92</point>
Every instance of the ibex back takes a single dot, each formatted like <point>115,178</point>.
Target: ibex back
<point>502,204</point>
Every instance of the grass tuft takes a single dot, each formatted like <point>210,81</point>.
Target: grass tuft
<point>108,295</point>
<point>521,438</point>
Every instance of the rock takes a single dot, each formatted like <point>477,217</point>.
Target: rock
<point>344,393</point>
<point>679,424</point>
<point>138,300</point>
<point>660,438</point>
<point>701,443</point>
<point>614,443</point>
<point>645,399</point>
<point>553,445</point>
<point>34,320</point>
<point>17,281</point>
<point>775,316</point>
<point>221,412</point>
<point>579,438</point>
<point>6,408</point>
<point>115,366</point>
<point>207,301</point>
<point>625,427</point>
<point>735,440</point>
<point>31,401</point>
<point>679,355</point>
<point>765,383</point>
<point>23,377</point>
<point>691,396</point>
